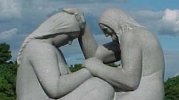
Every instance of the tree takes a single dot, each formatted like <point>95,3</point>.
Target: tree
<point>172,88</point>
<point>7,74</point>
<point>5,53</point>
<point>75,67</point>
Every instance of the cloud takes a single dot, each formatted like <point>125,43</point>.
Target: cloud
<point>148,18</point>
<point>8,34</point>
<point>164,22</point>
<point>170,22</point>
<point>149,14</point>
<point>171,16</point>
<point>89,1</point>
<point>9,9</point>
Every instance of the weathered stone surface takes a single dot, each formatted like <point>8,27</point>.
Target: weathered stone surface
<point>44,75</point>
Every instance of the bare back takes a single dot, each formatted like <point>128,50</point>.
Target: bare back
<point>151,83</point>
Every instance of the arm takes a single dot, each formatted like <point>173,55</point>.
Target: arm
<point>90,48</point>
<point>126,78</point>
<point>87,43</point>
<point>46,67</point>
<point>109,52</point>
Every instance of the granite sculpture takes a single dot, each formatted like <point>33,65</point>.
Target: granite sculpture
<point>141,74</point>
<point>43,73</point>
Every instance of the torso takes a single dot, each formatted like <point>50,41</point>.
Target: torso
<point>28,86</point>
<point>151,84</point>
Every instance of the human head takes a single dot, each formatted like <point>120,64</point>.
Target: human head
<point>115,21</point>
<point>69,21</point>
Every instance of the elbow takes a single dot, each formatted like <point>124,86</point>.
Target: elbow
<point>132,84</point>
<point>128,85</point>
<point>132,80</point>
<point>54,92</point>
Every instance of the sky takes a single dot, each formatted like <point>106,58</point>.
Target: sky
<point>19,18</point>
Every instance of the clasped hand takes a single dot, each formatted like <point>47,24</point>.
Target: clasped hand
<point>93,65</point>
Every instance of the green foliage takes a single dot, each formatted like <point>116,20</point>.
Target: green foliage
<point>5,53</point>
<point>7,74</point>
<point>5,97</point>
<point>172,88</point>
<point>75,67</point>
<point>7,79</point>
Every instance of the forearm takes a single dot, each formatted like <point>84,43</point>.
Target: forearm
<point>69,82</point>
<point>114,79</point>
<point>87,43</point>
<point>109,52</point>
<point>118,77</point>
<point>64,84</point>
<point>106,55</point>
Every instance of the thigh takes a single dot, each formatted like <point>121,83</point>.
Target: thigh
<point>92,89</point>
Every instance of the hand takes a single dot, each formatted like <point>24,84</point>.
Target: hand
<point>93,65</point>
<point>87,72</point>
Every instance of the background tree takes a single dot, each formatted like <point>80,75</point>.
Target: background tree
<point>172,88</point>
<point>7,74</point>
<point>5,53</point>
<point>75,67</point>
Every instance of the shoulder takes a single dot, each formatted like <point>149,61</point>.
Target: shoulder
<point>128,37</point>
<point>37,45</point>
<point>131,39</point>
<point>38,49</point>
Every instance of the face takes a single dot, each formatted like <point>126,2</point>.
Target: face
<point>64,39</point>
<point>108,31</point>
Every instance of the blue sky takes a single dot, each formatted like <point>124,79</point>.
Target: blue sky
<point>18,18</point>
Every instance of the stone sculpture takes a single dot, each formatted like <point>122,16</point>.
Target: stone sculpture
<point>140,76</point>
<point>43,73</point>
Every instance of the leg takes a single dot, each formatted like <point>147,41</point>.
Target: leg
<point>92,89</point>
